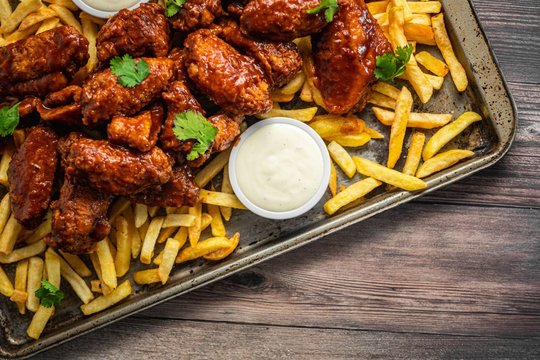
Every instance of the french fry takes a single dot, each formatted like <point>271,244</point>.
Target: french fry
<point>445,46</point>
<point>419,33</point>
<point>90,32</point>
<point>5,11</point>
<point>95,286</point>
<point>149,242</point>
<point>306,95</point>
<point>278,97</point>
<point>328,126</point>
<point>65,3</point>
<point>194,231</point>
<point>103,302</point>
<point>217,226</point>
<point>23,253</point>
<point>143,229</point>
<point>294,85</point>
<point>23,9</point>
<point>373,134</point>
<point>3,42</point>
<point>386,89</point>
<point>97,267</point>
<point>145,277</point>
<point>5,211</point>
<point>226,187</point>
<point>414,154</point>
<point>76,264</point>
<point>152,210</point>
<point>435,81</point>
<point>223,253</point>
<point>213,168</point>
<point>6,287</point>
<point>36,17</point>
<point>206,220</point>
<point>66,16</point>
<point>141,214</point>
<point>52,264</point>
<point>304,115</point>
<point>165,233</point>
<point>445,134</point>
<point>442,161</point>
<point>399,126</point>
<point>377,7</point>
<point>41,231</point>
<point>388,176</point>
<point>117,208</point>
<point>167,260</point>
<point>19,296</point>
<point>342,159</point>
<point>33,282</point>
<point>134,235</point>
<point>182,234</point>
<point>101,22</point>
<point>39,321</point>
<point>203,248</point>
<point>21,275</point>
<point>350,194</point>
<point>355,140</point>
<point>416,120</point>
<point>220,199</point>
<point>420,19</point>
<point>48,25</point>
<point>22,34</point>
<point>177,220</point>
<point>106,260</point>
<point>332,183</point>
<point>379,99</point>
<point>425,7</point>
<point>431,63</point>
<point>77,283</point>
<point>9,149</point>
<point>9,235</point>
<point>123,251</point>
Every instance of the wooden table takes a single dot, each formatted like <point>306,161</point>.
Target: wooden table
<point>455,274</point>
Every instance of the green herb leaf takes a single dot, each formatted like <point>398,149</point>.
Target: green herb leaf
<point>173,6</point>
<point>129,72</point>
<point>49,294</point>
<point>391,66</point>
<point>9,119</point>
<point>330,8</point>
<point>191,125</point>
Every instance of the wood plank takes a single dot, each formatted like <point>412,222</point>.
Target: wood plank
<point>162,340</point>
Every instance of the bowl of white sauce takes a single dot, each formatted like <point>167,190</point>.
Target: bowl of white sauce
<point>106,8</point>
<point>280,168</point>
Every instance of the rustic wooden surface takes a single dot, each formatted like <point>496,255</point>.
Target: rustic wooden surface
<point>454,275</point>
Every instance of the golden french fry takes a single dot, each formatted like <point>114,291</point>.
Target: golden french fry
<point>23,253</point>
<point>206,220</point>
<point>149,242</point>
<point>66,16</point>
<point>445,134</point>
<point>328,126</point>
<point>143,230</point>
<point>145,277</point>
<point>203,248</point>
<point>386,89</point>
<point>220,199</point>
<point>420,19</point>
<point>21,275</point>
<point>445,46</point>
<point>176,220</point>
<point>41,231</point>
<point>101,22</point>
<point>306,95</point>
<point>5,11</point>
<point>442,161</point>
<point>118,207</point>
<point>65,3</point>
<point>223,253</point>
<point>103,302</point>
<point>431,63</point>
<point>416,120</point>
<point>134,235</point>
<point>373,134</point>
<point>90,32</point>
<point>435,81</point>
<point>19,296</point>
<point>350,194</point>
<point>152,210</point>
<point>425,7</point>
<point>36,17</point>
<point>377,7</point>
<point>48,25</point>
<point>141,215</point>
<point>52,264</point>
<point>39,320</point>
<point>35,271</point>
<point>213,168</point>
<point>342,158</point>
<point>97,267</point>
<point>332,183</point>
<point>182,234</point>
<point>278,97</point>
<point>77,283</point>
<point>418,33</point>
<point>9,149</point>
<point>76,263</point>
<point>379,99</point>
<point>304,115</point>
<point>414,154</point>
<point>165,233</point>
<point>123,243</point>
<point>355,140</point>
<point>6,287</point>
<point>22,34</point>
<point>9,235</point>
<point>194,231</point>
<point>5,211</point>
<point>95,286</point>
<point>399,126</point>
<point>106,260</point>
<point>226,187</point>
<point>389,176</point>
<point>167,260</point>
<point>294,85</point>
<point>217,226</point>
<point>23,9</point>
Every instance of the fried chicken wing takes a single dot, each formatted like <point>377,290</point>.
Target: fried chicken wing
<point>281,20</point>
<point>103,97</point>
<point>31,175</point>
<point>281,61</point>
<point>232,80</point>
<point>62,107</point>
<point>42,63</point>
<point>196,14</point>
<point>79,217</point>
<point>178,56</point>
<point>139,132</point>
<point>143,31</point>
<point>345,56</point>
<point>181,190</point>
<point>111,168</point>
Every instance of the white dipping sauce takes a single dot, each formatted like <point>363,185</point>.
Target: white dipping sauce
<point>108,5</point>
<point>279,167</point>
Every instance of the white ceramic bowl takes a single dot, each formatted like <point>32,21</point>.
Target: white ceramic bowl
<point>100,13</point>
<point>290,213</point>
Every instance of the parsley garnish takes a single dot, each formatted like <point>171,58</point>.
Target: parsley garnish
<point>173,6</point>
<point>390,65</point>
<point>9,119</point>
<point>129,72</point>
<point>49,294</point>
<point>330,7</point>
<point>193,125</point>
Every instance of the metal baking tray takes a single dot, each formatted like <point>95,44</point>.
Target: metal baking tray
<point>263,239</point>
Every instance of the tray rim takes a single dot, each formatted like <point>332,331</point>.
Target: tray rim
<point>275,248</point>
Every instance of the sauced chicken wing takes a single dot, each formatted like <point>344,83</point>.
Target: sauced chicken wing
<point>31,175</point>
<point>103,97</point>
<point>42,63</point>
<point>178,56</point>
<point>139,132</point>
<point>345,57</point>
<point>111,168</point>
<point>195,14</point>
<point>232,80</point>
<point>280,61</point>
<point>139,32</point>
<point>281,20</point>
<point>181,190</point>
<point>79,217</point>
<point>62,107</point>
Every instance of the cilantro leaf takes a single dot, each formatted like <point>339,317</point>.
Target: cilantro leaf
<point>390,65</point>
<point>49,294</point>
<point>173,6</point>
<point>129,72</point>
<point>191,125</point>
<point>9,119</point>
<point>330,8</point>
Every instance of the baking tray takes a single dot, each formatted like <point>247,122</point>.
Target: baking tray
<point>263,239</point>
